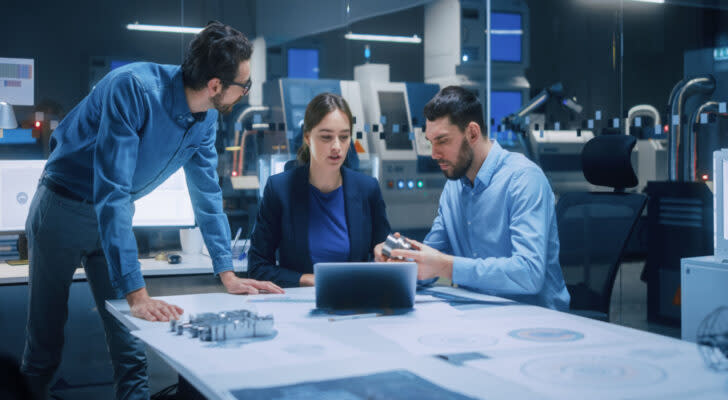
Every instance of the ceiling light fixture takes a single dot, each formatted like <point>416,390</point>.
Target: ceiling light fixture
<point>163,28</point>
<point>383,38</point>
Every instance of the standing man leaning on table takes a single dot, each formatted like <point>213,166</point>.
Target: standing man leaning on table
<point>495,230</point>
<point>139,125</point>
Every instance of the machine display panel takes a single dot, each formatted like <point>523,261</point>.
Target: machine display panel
<point>506,37</point>
<point>396,126</point>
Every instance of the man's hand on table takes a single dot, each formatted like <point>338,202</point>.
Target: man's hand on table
<point>306,280</point>
<point>235,285</point>
<point>144,307</point>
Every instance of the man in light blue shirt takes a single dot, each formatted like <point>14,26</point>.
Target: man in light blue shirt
<point>495,230</point>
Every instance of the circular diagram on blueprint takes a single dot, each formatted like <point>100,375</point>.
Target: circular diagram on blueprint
<point>305,350</point>
<point>593,371</point>
<point>457,340</point>
<point>546,335</point>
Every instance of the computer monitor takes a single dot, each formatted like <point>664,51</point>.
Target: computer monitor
<point>720,203</point>
<point>506,37</point>
<point>303,63</point>
<point>169,205</point>
<point>18,183</point>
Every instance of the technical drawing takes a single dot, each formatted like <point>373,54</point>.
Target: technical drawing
<point>546,335</point>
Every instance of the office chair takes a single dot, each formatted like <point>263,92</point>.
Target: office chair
<point>594,226</point>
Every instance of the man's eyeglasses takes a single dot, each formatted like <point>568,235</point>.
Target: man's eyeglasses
<point>246,86</point>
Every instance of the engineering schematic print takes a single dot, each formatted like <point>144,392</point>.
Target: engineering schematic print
<point>225,325</point>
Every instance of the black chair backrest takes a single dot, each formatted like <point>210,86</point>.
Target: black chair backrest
<point>607,161</point>
<point>594,226</point>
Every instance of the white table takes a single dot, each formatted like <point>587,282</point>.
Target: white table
<point>500,350</point>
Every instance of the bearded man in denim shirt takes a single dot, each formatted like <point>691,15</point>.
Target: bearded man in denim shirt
<point>139,125</point>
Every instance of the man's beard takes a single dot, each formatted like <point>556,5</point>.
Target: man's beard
<point>220,107</point>
<point>465,159</point>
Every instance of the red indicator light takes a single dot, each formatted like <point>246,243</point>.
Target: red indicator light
<point>37,124</point>
<point>235,173</point>
<point>665,128</point>
<point>705,177</point>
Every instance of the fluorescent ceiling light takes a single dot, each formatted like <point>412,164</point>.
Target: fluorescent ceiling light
<point>383,38</point>
<point>505,31</point>
<point>163,28</point>
<point>652,1</point>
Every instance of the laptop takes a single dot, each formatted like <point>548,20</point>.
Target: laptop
<point>362,285</point>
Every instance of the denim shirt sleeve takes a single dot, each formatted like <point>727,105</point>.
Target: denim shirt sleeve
<point>123,112</point>
<point>206,196</point>
<point>524,272</point>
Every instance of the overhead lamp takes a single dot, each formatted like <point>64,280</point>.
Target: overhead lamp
<point>7,117</point>
<point>505,31</point>
<point>383,38</point>
<point>652,1</point>
<point>163,28</point>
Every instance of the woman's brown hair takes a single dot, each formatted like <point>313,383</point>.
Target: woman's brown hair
<point>317,110</point>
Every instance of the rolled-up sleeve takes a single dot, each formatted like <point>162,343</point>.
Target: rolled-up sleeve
<point>123,113</point>
<point>530,203</point>
<point>206,197</point>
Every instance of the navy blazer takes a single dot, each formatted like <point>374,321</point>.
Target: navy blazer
<point>282,224</point>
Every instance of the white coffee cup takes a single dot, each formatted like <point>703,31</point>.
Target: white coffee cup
<point>191,240</point>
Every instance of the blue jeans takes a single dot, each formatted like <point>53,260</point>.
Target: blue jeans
<point>63,235</point>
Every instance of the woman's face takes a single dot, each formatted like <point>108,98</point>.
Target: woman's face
<point>329,141</point>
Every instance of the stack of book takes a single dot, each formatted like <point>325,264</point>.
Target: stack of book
<point>9,247</point>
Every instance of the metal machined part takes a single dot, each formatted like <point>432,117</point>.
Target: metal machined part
<point>392,243</point>
<point>216,327</point>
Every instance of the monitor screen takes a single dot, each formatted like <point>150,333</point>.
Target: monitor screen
<point>395,123</point>
<point>167,206</point>
<point>303,63</point>
<point>506,37</point>
<point>18,182</point>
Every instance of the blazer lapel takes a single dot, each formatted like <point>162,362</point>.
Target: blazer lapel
<point>299,206</point>
<point>354,217</point>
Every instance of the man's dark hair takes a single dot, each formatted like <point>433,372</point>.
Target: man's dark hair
<point>216,52</point>
<point>460,105</point>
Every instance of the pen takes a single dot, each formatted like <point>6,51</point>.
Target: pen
<point>237,236</point>
<point>353,316</point>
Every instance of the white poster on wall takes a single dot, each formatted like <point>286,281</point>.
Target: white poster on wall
<point>17,81</point>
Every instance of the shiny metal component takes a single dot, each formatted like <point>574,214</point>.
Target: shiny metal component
<point>692,138</point>
<point>392,243</point>
<point>680,93</point>
<point>216,327</point>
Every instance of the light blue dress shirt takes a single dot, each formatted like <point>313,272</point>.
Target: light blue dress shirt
<point>502,231</point>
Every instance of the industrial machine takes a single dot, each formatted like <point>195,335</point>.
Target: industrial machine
<point>555,147</point>
<point>464,22</point>
<point>680,211</point>
<point>703,279</point>
<point>410,185</point>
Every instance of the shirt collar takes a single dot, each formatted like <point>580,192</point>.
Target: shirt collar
<point>486,171</point>
<point>180,108</point>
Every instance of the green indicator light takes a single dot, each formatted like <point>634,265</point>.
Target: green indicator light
<point>420,184</point>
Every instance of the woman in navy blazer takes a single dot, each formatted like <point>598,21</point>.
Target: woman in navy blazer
<point>320,209</point>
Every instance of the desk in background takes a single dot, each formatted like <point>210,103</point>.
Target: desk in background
<point>86,362</point>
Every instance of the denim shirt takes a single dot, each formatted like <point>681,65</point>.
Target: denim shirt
<point>124,139</point>
<point>502,231</point>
